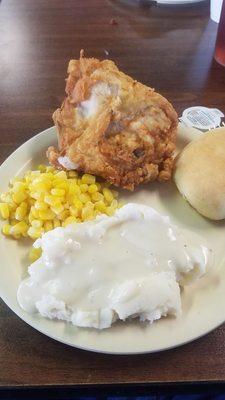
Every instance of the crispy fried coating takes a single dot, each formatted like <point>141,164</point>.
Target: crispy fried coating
<point>113,126</point>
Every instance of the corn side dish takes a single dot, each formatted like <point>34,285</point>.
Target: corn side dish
<point>47,198</point>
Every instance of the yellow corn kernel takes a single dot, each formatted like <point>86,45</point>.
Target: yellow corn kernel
<point>38,180</point>
<point>46,214</point>
<point>36,195</point>
<point>3,197</point>
<point>114,192</point>
<point>69,220</point>
<point>31,217</point>
<point>74,190</point>
<point>34,233</point>
<point>20,213</point>
<point>13,180</point>
<point>34,254</point>
<point>61,184</point>
<point>13,222</point>
<point>61,174</point>
<point>70,198</point>
<point>4,210</point>
<point>72,181</point>
<point>49,168</point>
<point>110,211</point>
<point>47,198</point>
<point>34,212</point>
<point>40,187</point>
<point>28,180</point>
<point>41,205</point>
<point>114,204</point>
<point>56,223</point>
<point>74,211</point>
<point>57,209</point>
<point>108,195</point>
<point>24,205</point>
<point>23,227</point>
<point>63,215</point>
<point>59,199</point>
<point>58,192</point>
<point>43,179</point>
<point>100,206</point>
<point>93,188</point>
<point>51,200</point>
<point>77,203</point>
<point>19,187</point>
<point>84,187</point>
<point>72,174</point>
<point>16,236</point>
<point>77,189</point>
<point>84,198</point>
<point>19,197</point>
<point>7,198</point>
<point>34,174</point>
<point>12,216</point>
<point>42,168</point>
<point>96,213</point>
<point>19,228</point>
<point>12,207</point>
<point>46,177</point>
<point>37,223</point>
<point>88,211</point>
<point>48,226</point>
<point>30,202</point>
<point>6,229</point>
<point>97,197</point>
<point>87,178</point>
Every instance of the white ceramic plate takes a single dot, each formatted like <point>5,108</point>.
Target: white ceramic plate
<point>203,302</point>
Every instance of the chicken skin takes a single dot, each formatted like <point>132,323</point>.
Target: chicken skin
<point>112,126</point>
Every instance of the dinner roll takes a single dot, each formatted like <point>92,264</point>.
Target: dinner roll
<point>200,173</point>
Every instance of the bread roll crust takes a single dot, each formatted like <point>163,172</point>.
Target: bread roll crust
<point>199,174</point>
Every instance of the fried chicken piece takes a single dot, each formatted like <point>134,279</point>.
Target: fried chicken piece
<point>113,126</point>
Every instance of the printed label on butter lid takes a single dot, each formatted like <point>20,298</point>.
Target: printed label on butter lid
<point>202,118</point>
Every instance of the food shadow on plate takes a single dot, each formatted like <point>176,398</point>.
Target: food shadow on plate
<point>177,206</point>
<point>220,224</point>
<point>26,245</point>
<point>168,201</point>
<point>186,299</point>
<point>117,327</point>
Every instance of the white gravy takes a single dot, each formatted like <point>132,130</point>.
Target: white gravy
<point>127,265</point>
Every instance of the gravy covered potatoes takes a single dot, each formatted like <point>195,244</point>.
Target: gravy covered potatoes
<point>129,265</point>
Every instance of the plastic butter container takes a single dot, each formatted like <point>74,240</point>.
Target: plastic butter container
<point>202,118</point>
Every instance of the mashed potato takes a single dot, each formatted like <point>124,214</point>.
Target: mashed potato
<point>124,266</point>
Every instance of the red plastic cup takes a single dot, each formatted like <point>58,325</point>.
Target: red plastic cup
<point>220,41</point>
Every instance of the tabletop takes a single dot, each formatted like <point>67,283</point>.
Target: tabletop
<point>168,48</point>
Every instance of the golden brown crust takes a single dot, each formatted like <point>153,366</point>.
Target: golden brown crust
<point>113,126</point>
<point>199,173</point>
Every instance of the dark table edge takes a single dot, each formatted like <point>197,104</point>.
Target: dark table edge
<point>104,390</point>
